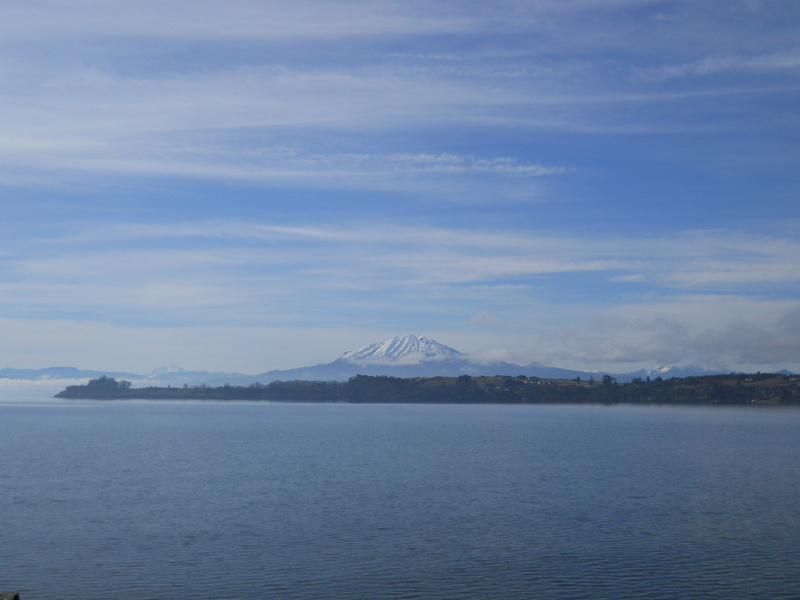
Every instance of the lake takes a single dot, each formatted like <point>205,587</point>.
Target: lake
<point>246,501</point>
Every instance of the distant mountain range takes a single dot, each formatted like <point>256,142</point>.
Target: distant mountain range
<point>403,356</point>
<point>418,356</point>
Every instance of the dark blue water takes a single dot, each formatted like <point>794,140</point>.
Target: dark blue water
<point>300,501</point>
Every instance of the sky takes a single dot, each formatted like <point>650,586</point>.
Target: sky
<point>263,184</point>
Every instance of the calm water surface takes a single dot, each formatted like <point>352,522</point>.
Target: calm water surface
<point>302,501</point>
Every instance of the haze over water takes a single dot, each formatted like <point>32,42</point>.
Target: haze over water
<point>304,501</point>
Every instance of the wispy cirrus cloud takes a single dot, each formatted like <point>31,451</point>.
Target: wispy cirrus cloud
<point>232,125</point>
<point>95,106</point>
<point>480,172</point>
<point>173,268</point>
<point>531,297</point>
<point>291,163</point>
<point>238,19</point>
<point>774,61</point>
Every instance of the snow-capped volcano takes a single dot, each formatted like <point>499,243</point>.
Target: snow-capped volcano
<point>406,349</point>
<point>669,371</point>
<point>166,370</point>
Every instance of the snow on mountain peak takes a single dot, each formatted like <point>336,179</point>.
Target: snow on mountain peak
<point>675,371</point>
<point>406,349</point>
<point>166,369</point>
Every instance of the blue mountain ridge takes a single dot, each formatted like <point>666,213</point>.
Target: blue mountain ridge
<point>406,356</point>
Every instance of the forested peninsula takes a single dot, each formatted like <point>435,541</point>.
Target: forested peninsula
<point>757,388</point>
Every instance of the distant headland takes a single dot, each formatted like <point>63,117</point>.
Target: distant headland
<point>759,388</point>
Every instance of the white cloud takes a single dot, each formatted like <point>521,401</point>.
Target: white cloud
<point>492,355</point>
<point>423,255</point>
<point>236,19</point>
<point>421,104</point>
<point>775,61</point>
<point>728,332</point>
<point>632,278</point>
<point>271,275</point>
<point>236,324</point>
<point>221,125</point>
<point>84,106</point>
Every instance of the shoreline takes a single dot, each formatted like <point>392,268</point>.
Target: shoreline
<point>737,389</point>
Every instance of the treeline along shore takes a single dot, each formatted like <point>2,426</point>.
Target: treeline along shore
<point>757,388</point>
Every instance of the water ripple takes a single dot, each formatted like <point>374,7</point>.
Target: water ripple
<point>303,502</point>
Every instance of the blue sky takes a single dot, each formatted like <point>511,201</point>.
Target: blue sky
<point>249,185</point>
